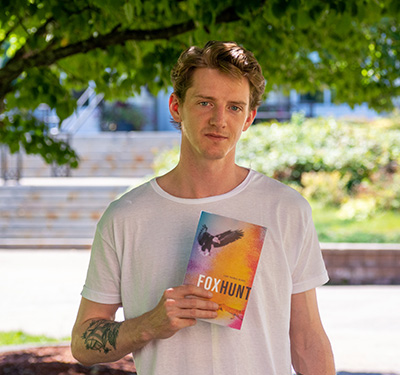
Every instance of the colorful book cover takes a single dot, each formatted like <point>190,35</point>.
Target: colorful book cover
<point>224,260</point>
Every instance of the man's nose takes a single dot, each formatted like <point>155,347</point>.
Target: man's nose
<point>218,117</point>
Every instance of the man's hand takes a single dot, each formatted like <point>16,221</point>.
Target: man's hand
<point>179,308</point>
<point>97,338</point>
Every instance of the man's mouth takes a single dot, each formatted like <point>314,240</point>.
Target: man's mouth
<point>216,136</point>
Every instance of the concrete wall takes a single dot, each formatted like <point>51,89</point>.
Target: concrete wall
<point>359,263</point>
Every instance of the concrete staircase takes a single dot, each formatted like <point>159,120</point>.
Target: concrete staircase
<point>53,216</point>
<point>45,212</point>
<point>108,155</point>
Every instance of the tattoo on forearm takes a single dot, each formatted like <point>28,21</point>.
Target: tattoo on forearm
<point>101,334</point>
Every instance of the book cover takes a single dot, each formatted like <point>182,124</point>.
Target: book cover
<point>224,260</point>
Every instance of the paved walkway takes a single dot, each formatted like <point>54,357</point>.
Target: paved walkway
<point>40,295</point>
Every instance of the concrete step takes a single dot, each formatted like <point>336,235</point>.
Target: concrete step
<point>54,201</point>
<point>106,155</point>
<point>32,213</point>
<point>46,243</point>
<point>51,195</point>
<point>99,164</point>
<point>52,230</point>
<point>100,171</point>
<point>27,215</point>
<point>96,168</point>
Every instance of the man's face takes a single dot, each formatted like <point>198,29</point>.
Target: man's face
<point>213,116</point>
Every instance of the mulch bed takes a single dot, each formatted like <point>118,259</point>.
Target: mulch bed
<point>57,360</point>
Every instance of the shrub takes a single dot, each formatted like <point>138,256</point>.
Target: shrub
<point>328,188</point>
<point>334,162</point>
<point>165,161</point>
<point>358,208</point>
<point>286,151</point>
<point>119,116</point>
<point>385,188</point>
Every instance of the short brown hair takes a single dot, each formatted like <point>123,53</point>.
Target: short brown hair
<point>227,57</point>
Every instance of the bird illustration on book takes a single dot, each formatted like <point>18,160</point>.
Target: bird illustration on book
<point>208,241</point>
<point>234,312</point>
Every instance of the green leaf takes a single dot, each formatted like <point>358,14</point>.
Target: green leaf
<point>281,33</point>
<point>303,19</point>
<point>344,24</point>
<point>128,9</point>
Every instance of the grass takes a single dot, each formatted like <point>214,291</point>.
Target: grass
<point>381,228</point>
<point>21,338</point>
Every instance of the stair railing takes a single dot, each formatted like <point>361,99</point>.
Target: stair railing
<point>86,104</point>
<point>72,124</point>
<point>8,171</point>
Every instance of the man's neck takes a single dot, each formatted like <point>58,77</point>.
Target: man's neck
<point>202,181</point>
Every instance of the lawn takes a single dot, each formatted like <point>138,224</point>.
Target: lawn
<point>382,227</point>
<point>21,338</point>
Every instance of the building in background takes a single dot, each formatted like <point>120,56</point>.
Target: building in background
<point>146,112</point>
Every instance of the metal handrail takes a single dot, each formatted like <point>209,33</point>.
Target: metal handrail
<point>8,173</point>
<point>68,128</point>
<point>72,125</point>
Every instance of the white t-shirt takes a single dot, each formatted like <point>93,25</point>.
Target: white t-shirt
<point>142,247</point>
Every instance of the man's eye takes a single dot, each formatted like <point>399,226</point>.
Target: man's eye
<point>204,104</point>
<point>235,108</point>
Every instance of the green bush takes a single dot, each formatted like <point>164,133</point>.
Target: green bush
<point>165,161</point>
<point>385,188</point>
<point>286,151</point>
<point>358,208</point>
<point>327,188</point>
<point>121,116</point>
<point>350,165</point>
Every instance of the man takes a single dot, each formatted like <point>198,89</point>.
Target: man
<point>143,243</point>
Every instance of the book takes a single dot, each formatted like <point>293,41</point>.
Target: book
<point>224,260</point>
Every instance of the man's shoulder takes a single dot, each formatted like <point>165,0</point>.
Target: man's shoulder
<point>278,192</point>
<point>133,197</point>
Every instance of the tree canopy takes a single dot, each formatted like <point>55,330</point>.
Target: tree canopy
<point>49,48</point>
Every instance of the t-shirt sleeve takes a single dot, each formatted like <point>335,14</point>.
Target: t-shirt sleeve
<point>309,271</point>
<point>103,278</point>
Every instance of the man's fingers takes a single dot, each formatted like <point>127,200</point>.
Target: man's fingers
<point>191,304</point>
<point>196,303</point>
<point>190,314</point>
<point>184,291</point>
<point>178,308</point>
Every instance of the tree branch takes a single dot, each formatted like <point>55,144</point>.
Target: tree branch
<point>21,62</point>
<point>227,15</point>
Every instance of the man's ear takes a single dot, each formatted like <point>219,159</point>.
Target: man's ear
<point>250,119</point>
<point>174,108</point>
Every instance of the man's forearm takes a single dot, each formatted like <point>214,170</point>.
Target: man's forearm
<point>99,341</point>
<point>310,347</point>
<point>96,340</point>
<point>314,359</point>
